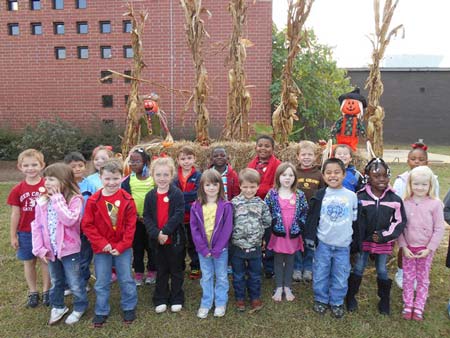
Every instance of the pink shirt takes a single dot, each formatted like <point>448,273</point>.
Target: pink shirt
<point>425,224</point>
<point>286,245</point>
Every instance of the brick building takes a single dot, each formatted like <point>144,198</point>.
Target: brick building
<point>53,53</point>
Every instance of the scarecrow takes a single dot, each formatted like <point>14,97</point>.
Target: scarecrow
<point>156,118</point>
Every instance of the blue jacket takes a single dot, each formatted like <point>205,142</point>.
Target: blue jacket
<point>353,179</point>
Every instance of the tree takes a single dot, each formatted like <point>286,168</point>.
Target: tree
<point>320,82</point>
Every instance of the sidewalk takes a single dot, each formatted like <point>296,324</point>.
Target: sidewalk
<point>400,156</point>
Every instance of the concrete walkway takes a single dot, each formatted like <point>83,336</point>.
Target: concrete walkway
<point>394,155</point>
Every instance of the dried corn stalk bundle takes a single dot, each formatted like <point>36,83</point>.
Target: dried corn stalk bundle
<point>195,33</point>
<point>285,114</point>
<point>239,99</point>
<point>380,40</point>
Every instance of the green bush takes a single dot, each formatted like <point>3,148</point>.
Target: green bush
<point>9,145</point>
<point>101,133</point>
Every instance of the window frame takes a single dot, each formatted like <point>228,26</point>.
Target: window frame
<point>103,49</point>
<point>33,25</point>
<point>77,4</point>
<point>107,101</point>
<point>12,26</point>
<point>82,23</point>
<point>58,4</point>
<point>60,49</point>
<point>79,52</point>
<point>125,24</point>
<point>32,3</point>
<point>55,28</point>
<point>126,50</point>
<point>105,22</point>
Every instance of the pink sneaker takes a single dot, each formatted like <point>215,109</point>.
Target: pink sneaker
<point>151,277</point>
<point>113,277</point>
<point>138,278</point>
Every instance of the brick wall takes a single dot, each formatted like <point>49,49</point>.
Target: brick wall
<point>36,86</point>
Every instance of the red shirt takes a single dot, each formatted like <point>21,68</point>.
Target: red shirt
<point>162,216</point>
<point>24,196</point>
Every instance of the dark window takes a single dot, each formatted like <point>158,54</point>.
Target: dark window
<point>35,5</point>
<point>58,4</point>
<point>60,53</point>
<point>82,27</point>
<point>106,52</point>
<point>127,52</point>
<point>127,26</point>
<point>13,29</point>
<point>107,101</point>
<point>81,4</point>
<point>58,27</point>
<point>126,99</point>
<point>83,52</point>
<point>36,28</point>
<point>105,73</point>
<point>105,26</point>
<point>127,72</point>
<point>13,5</point>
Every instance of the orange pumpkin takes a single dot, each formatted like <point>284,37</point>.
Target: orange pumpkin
<point>351,107</point>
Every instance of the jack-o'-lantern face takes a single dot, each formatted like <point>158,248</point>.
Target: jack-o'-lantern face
<point>351,107</point>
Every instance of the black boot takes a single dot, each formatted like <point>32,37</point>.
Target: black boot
<point>354,281</point>
<point>384,292</point>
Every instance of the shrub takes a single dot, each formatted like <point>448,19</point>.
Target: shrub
<point>9,144</point>
<point>101,133</point>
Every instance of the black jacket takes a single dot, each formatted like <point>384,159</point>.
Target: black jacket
<point>447,219</point>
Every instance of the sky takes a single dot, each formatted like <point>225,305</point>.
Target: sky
<point>345,24</point>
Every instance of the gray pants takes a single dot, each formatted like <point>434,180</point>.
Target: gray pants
<point>283,268</point>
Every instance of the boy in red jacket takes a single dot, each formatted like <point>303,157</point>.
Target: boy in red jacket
<point>109,222</point>
<point>230,179</point>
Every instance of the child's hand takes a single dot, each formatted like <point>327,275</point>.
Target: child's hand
<point>53,190</point>
<point>407,253</point>
<point>424,253</point>
<point>162,238</point>
<point>376,237</point>
<point>14,242</point>
<point>45,260</point>
<point>107,248</point>
<point>114,252</point>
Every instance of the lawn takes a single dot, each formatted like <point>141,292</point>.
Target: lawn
<point>294,319</point>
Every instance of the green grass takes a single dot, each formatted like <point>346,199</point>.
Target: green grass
<point>275,320</point>
<point>432,148</point>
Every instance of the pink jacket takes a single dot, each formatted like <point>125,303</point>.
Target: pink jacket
<point>67,230</point>
<point>425,224</point>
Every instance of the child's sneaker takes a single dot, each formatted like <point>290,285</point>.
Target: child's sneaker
<point>338,311</point>
<point>57,314</point>
<point>240,305</point>
<point>297,276</point>
<point>33,299</point>
<point>229,270</point>
<point>129,316</point>
<point>161,308</point>
<point>176,308</point>
<point>151,277</point>
<point>67,292</point>
<point>320,308</point>
<point>417,315</point>
<point>256,304</point>
<point>46,298</point>
<point>407,313</point>
<point>399,278</point>
<point>195,274</point>
<point>99,320</point>
<point>307,276</point>
<point>219,311</point>
<point>138,278</point>
<point>202,313</point>
<point>74,317</point>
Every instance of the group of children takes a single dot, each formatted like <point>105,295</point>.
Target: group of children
<point>298,223</point>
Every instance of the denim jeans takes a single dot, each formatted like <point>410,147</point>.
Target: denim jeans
<point>67,269</point>
<point>380,263</point>
<point>86,255</point>
<point>268,254</point>
<point>246,272</point>
<point>103,263</point>
<point>304,260</point>
<point>331,270</point>
<point>217,267</point>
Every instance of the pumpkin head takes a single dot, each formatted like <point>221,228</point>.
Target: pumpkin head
<point>351,107</point>
<point>150,105</point>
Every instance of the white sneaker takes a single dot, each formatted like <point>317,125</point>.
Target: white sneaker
<point>176,308</point>
<point>74,317</point>
<point>57,314</point>
<point>202,313</point>
<point>399,278</point>
<point>307,276</point>
<point>161,308</point>
<point>297,276</point>
<point>67,292</point>
<point>219,311</point>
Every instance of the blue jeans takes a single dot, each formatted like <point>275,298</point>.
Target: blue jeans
<point>380,264</point>
<point>103,264</point>
<point>331,270</point>
<point>217,267</point>
<point>304,260</point>
<point>67,269</point>
<point>246,264</point>
<point>268,254</point>
<point>86,255</point>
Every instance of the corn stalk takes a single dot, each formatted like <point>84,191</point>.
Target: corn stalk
<point>195,32</point>
<point>286,112</point>
<point>239,100</point>
<point>380,40</point>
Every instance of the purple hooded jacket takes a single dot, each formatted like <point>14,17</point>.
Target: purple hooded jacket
<point>221,235</point>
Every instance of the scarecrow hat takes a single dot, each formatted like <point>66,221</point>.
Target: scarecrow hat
<point>355,95</point>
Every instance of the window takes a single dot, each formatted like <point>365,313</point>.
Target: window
<point>58,4</point>
<point>127,26</point>
<point>126,99</point>
<point>60,53</point>
<point>105,73</point>
<point>127,72</point>
<point>13,29</point>
<point>58,27</point>
<point>36,28</point>
<point>83,52</point>
<point>13,5</point>
<point>106,52</point>
<point>105,26</point>
<point>107,101</point>
<point>82,27</point>
<point>35,5</point>
<point>127,52</point>
<point>81,4</point>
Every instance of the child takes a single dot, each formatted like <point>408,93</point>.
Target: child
<point>309,181</point>
<point>353,179</point>
<point>99,155</point>
<point>447,219</point>
<point>211,227</point>
<point>188,181</point>
<point>78,164</point>
<point>265,164</point>
<point>381,220</point>
<point>219,161</point>
<point>163,219</point>
<point>251,218</point>
<point>56,240</point>
<point>288,207</point>
<point>138,184</point>
<point>420,238</point>
<point>109,222</point>
<point>22,200</point>
<point>417,156</point>
<point>330,228</point>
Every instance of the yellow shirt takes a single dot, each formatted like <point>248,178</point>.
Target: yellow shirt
<point>209,217</point>
<point>139,189</point>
